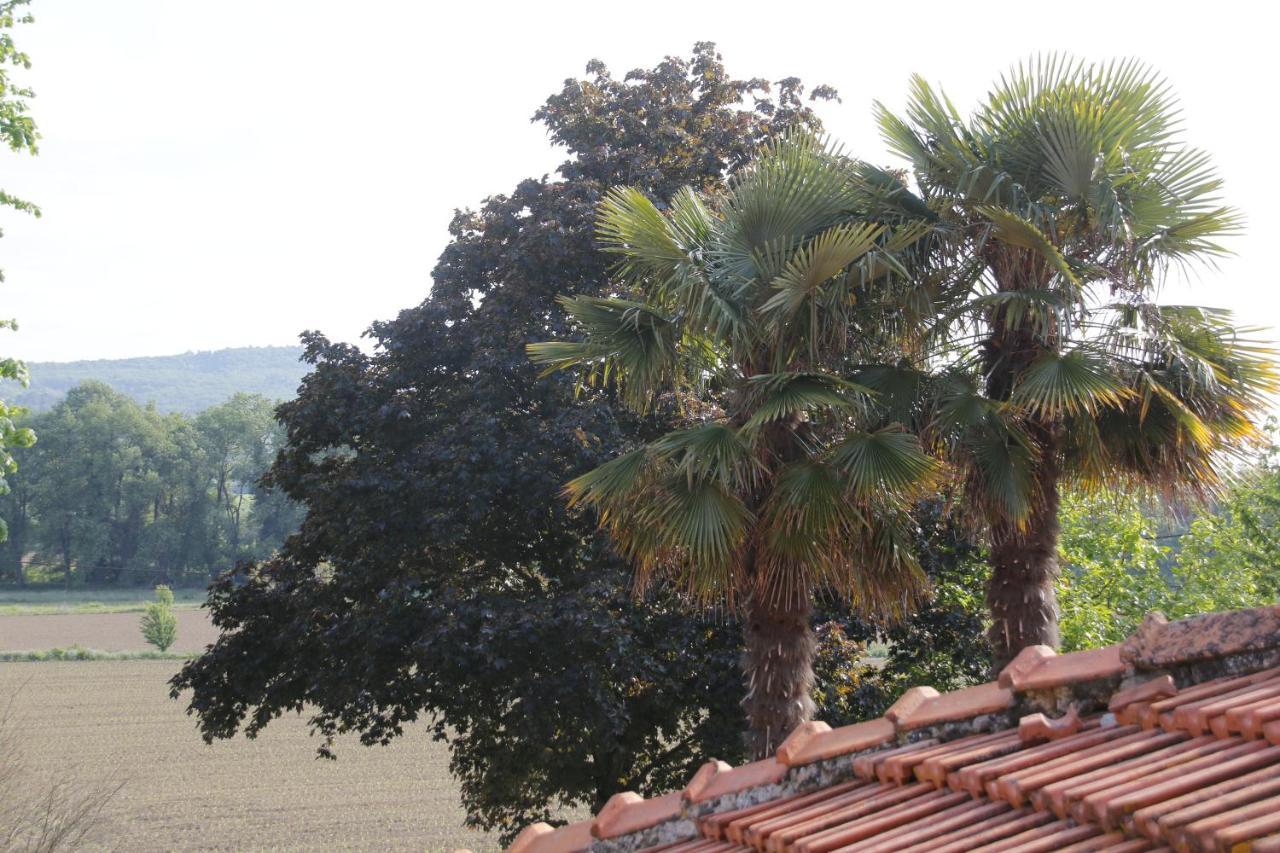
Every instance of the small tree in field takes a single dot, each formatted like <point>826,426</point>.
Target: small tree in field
<point>159,625</point>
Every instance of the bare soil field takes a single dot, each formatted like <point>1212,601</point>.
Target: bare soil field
<point>109,721</point>
<point>108,632</point>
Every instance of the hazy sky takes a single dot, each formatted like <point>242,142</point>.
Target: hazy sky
<point>221,175</point>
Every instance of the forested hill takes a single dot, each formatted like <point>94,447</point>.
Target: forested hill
<point>190,382</point>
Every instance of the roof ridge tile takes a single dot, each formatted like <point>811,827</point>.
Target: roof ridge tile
<point>702,777</point>
<point>1033,669</point>
<point>544,838</point>
<point>723,779</point>
<point>928,707</point>
<point>911,699</point>
<point>1159,643</point>
<point>823,742</point>
<point>628,812</point>
<point>1024,662</point>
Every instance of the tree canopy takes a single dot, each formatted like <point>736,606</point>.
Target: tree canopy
<point>117,493</point>
<point>1062,203</point>
<point>755,304</point>
<point>438,573</point>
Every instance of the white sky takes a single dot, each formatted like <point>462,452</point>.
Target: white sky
<point>221,175</point>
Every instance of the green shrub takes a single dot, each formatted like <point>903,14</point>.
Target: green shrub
<point>159,625</point>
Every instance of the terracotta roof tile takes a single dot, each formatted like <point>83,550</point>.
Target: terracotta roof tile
<point>1160,713</point>
<point>628,812</point>
<point>1159,643</point>
<point>1249,719</point>
<point>957,819</point>
<point>998,829</point>
<point>542,838</point>
<point>732,825</point>
<point>810,743</point>
<point>1034,669</point>
<point>975,777</point>
<point>1127,704</point>
<point>938,768</point>
<point>1190,768</point>
<point>1044,839</point>
<point>1166,818</point>
<point>963,704</point>
<point>908,702</point>
<point>1023,664</point>
<point>925,806</point>
<point>866,766</point>
<point>722,779</point>
<point>1225,830</point>
<point>703,776</point>
<point>1038,727</point>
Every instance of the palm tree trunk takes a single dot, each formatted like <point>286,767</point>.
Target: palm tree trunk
<point>778,667</point>
<point>1024,568</point>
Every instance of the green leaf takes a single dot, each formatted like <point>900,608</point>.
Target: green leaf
<point>884,461</point>
<point>711,451</point>
<point>822,259</point>
<point>1009,227</point>
<point>782,395</point>
<point>1057,385</point>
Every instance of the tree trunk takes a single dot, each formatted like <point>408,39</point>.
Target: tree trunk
<point>778,667</point>
<point>1024,568</point>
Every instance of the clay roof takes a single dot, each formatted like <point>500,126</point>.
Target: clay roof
<point>1170,740</point>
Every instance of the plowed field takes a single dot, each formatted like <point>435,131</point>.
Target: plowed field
<point>109,721</point>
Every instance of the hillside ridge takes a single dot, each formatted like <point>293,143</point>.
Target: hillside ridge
<point>185,382</point>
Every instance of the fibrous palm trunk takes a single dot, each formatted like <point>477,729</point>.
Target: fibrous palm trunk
<point>778,666</point>
<point>1024,569</point>
<point>1024,554</point>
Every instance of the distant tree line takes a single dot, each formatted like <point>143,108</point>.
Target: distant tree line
<point>115,493</point>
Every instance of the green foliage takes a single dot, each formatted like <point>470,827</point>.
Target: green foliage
<point>18,130</point>
<point>187,383</point>
<point>438,573</point>
<point>755,300</point>
<point>1112,569</point>
<point>120,494</point>
<point>159,625</point>
<point>1060,205</point>
<point>36,600</point>
<point>81,653</point>
<point>1119,564</point>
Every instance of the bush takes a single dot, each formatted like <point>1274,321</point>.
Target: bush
<point>159,625</point>
<point>1115,567</point>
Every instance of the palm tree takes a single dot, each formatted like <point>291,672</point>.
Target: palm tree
<point>1065,200</point>
<point>754,306</point>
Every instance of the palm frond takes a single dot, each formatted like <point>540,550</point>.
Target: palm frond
<point>1057,385</point>
<point>820,260</point>
<point>1002,466</point>
<point>630,343</point>
<point>1010,228</point>
<point>798,186</point>
<point>885,461</point>
<point>778,396</point>
<point>711,451</point>
<point>614,484</point>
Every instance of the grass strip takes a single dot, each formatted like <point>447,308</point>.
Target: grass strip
<point>80,653</point>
